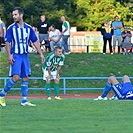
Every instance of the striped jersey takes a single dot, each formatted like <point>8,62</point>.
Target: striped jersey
<point>53,62</point>
<point>20,37</point>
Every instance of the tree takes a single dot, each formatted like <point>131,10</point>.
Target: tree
<point>87,15</point>
<point>92,13</point>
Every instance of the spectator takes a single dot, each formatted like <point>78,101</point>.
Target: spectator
<point>66,34</point>
<point>43,28</point>
<point>126,42</point>
<point>2,32</point>
<point>107,36</point>
<point>54,37</point>
<point>117,25</point>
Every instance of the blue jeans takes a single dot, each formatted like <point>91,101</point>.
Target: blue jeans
<point>53,44</point>
<point>65,42</point>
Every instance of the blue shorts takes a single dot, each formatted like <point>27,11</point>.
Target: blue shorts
<point>122,91</point>
<point>21,65</point>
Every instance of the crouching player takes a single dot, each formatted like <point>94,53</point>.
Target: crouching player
<point>122,91</point>
<point>51,69</point>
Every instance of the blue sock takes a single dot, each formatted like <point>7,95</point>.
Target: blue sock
<point>106,90</point>
<point>8,86</point>
<point>24,89</point>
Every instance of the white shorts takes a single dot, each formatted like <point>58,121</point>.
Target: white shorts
<point>45,74</point>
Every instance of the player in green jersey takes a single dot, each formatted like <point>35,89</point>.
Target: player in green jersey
<point>51,69</point>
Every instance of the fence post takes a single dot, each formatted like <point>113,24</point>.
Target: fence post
<point>64,85</point>
<point>4,82</point>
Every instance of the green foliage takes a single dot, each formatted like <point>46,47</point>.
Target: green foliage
<point>77,65</point>
<point>87,15</point>
<point>92,13</point>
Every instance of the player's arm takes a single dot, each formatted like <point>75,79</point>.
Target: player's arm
<point>58,70</point>
<point>61,63</point>
<point>37,45</point>
<point>8,39</point>
<point>10,58</point>
<point>49,72</point>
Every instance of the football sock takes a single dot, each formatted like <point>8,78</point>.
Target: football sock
<point>48,89</point>
<point>56,89</point>
<point>8,86</point>
<point>106,90</point>
<point>24,89</point>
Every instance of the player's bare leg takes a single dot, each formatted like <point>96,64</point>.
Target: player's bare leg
<point>125,79</point>
<point>112,80</point>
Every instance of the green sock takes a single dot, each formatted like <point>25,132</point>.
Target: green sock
<point>56,89</point>
<point>48,89</point>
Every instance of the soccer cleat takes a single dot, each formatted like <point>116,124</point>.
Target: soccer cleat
<point>2,101</point>
<point>58,98</point>
<point>49,98</point>
<point>100,98</point>
<point>28,104</point>
<point>113,98</point>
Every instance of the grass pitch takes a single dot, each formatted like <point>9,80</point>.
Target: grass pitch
<point>67,116</point>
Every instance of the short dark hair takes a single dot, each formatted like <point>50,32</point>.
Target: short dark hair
<point>20,10</point>
<point>57,47</point>
<point>115,17</point>
<point>53,26</point>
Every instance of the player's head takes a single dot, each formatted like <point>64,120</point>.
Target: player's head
<point>42,18</point>
<point>58,51</point>
<point>62,18</point>
<point>18,14</point>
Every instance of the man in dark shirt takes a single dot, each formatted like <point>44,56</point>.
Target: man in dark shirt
<point>43,28</point>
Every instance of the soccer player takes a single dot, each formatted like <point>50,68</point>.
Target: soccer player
<point>51,69</point>
<point>18,37</point>
<point>122,91</point>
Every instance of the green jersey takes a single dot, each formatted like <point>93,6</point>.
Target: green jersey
<point>53,62</point>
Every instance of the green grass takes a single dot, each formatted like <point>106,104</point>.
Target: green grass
<point>70,115</point>
<point>67,116</point>
<point>78,64</point>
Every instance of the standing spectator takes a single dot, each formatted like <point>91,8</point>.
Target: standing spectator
<point>54,37</point>
<point>51,70</point>
<point>107,36</point>
<point>18,37</point>
<point>3,32</point>
<point>117,25</point>
<point>43,28</point>
<point>66,34</point>
<point>126,42</point>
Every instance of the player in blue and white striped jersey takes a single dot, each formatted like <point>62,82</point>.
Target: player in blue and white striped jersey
<point>17,39</point>
<point>122,91</point>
